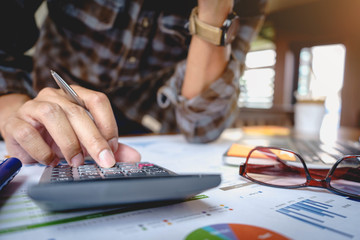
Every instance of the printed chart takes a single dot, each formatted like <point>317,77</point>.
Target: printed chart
<point>238,209</point>
<point>316,213</point>
<point>233,232</point>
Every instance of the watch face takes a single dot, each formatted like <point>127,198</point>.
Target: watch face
<point>231,31</point>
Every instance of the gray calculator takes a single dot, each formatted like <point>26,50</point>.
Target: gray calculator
<point>63,187</point>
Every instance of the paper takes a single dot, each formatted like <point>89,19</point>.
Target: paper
<point>234,209</point>
<point>269,130</point>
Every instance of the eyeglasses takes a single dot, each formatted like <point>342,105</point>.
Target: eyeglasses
<point>278,167</point>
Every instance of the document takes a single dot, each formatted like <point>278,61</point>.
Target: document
<point>236,209</point>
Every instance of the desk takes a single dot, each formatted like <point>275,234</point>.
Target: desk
<point>235,207</point>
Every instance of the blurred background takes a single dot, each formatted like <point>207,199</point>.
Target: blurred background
<point>306,50</point>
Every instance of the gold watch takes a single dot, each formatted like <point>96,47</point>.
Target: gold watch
<point>219,36</point>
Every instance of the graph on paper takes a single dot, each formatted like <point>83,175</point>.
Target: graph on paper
<point>316,213</point>
<point>233,231</point>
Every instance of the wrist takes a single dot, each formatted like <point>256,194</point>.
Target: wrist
<point>218,35</point>
<point>214,12</point>
<point>9,104</point>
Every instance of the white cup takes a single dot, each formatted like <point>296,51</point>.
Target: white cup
<point>309,116</point>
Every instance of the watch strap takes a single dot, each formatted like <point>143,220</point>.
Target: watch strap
<point>203,30</point>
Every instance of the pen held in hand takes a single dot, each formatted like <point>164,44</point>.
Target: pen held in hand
<point>70,93</point>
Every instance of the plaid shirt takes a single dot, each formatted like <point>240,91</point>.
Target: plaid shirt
<point>134,52</point>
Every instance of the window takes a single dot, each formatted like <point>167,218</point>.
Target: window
<point>257,83</point>
<point>321,70</point>
<point>321,73</point>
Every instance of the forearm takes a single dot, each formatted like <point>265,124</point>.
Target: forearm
<point>206,61</point>
<point>213,107</point>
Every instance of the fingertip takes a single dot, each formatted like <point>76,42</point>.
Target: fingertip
<point>127,154</point>
<point>77,160</point>
<point>106,158</point>
<point>114,144</point>
<point>136,156</point>
<point>55,162</point>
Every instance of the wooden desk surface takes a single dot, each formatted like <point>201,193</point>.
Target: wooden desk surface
<point>326,135</point>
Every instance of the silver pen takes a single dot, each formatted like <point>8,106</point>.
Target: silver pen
<point>70,93</point>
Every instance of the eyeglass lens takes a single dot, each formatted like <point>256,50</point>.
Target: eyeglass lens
<point>285,169</point>
<point>346,177</point>
<point>275,167</point>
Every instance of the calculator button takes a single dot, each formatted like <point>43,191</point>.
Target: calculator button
<point>128,168</point>
<point>135,173</point>
<point>89,174</point>
<point>88,171</point>
<point>110,169</point>
<point>113,175</point>
<point>117,171</point>
<point>64,171</point>
<point>62,179</point>
<point>59,175</point>
<point>125,164</point>
<point>145,165</point>
<point>62,167</point>
<point>160,173</point>
<point>91,177</point>
<point>87,167</point>
<point>68,173</point>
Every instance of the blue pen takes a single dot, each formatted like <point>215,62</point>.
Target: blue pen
<point>8,170</point>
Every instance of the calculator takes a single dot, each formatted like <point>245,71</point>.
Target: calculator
<point>64,188</point>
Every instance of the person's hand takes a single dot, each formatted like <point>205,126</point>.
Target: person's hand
<point>50,127</point>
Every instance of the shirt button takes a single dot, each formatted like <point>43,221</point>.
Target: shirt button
<point>145,22</point>
<point>132,59</point>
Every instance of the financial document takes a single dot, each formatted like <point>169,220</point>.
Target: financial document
<point>236,209</point>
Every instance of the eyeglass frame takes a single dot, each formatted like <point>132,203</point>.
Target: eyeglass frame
<point>310,181</point>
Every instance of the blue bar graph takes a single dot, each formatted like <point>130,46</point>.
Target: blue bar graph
<point>314,213</point>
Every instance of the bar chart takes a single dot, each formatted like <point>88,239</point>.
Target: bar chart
<point>316,213</point>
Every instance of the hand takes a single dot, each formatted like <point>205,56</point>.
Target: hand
<point>50,127</point>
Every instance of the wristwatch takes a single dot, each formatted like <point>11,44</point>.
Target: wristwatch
<point>219,36</point>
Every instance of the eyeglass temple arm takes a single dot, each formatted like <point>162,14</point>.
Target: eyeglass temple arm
<point>267,151</point>
<point>271,154</point>
<point>242,166</point>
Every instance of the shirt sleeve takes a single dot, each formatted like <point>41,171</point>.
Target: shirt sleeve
<point>204,117</point>
<point>18,34</point>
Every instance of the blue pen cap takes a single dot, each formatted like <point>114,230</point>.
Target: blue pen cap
<point>8,169</point>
